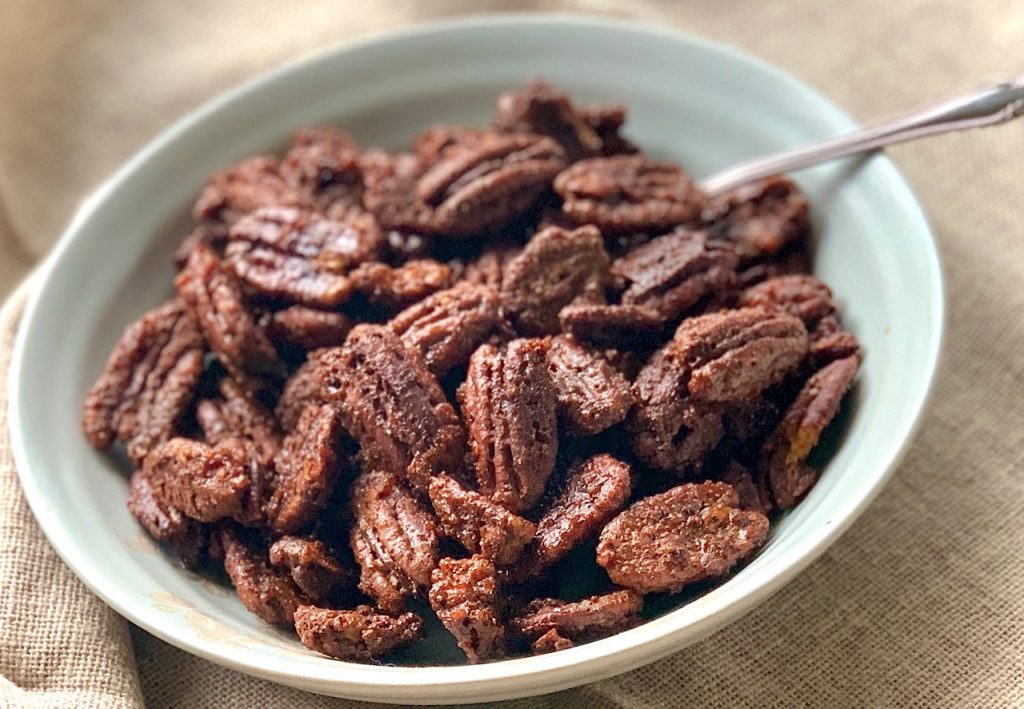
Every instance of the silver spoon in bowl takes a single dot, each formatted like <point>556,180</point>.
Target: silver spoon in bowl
<point>988,105</point>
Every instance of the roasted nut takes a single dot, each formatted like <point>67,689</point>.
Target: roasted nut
<point>488,269</point>
<point>239,414</point>
<point>483,527</point>
<point>464,594</point>
<point>582,621</point>
<point>359,635</point>
<point>148,382</point>
<point>690,533</point>
<point>621,326</point>
<point>829,342</point>
<point>396,288</point>
<point>214,235</point>
<point>802,296</point>
<point>628,193</point>
<point>760,218</point>
<point>390,192</point>
<point>752,496</point>
<point>244,188</point>
<point>165,523</point>
<point>307,328</point>
<point>265,591</point>
<point>509,405</point>
<point>392,406</point>
<point>324,161</point>
<point>313,567</point>
<point>544,110</point>
<point>550,641</point>
<point>303,389</point>
<point>591,395</point>
<point>394,539</point>
<point>555,268</point>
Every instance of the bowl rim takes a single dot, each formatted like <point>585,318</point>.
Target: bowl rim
<point>603,658</point>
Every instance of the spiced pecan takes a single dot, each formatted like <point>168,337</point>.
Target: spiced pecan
<point>544,110</point>
<point>620,326</point>
<point>580,621</point>
<point>447,326</point>
<point>392,406</point>
<point>240,414</point>
<point>785,452</point>
<point>253,183</point>
<point>313,566</point>
<point>390,192</point>
<point>433,144</point>
<point>550,641</point>
<point>751,493</point>
<point>464,594</point>
<point>164,522</point>
<point>693,532</point>
<point>829,342</point>
<point>399,287</point>
<point>800,295</point>
<point>303,388</point>
<point>591,395</point>
<point>628,193</point>
<point>510,410</point>
<point>761,218</point>
<point>358,635</point>
<point>214,235</point>
<point>308,328</point>
<point>268,592</point>
<point>324,161</point>
<point>480,525</point>
<point>556,267</point>
<point>394,539</point>
<point>607,120</point>
<point>148,382</point>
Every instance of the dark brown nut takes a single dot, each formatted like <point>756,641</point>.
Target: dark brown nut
<point>621,326</point>
<point>464,594</point>
<point>390,192</point>
<point>628,193</point>
<point>313,567</point>
<point>148,382</point>
<point>582,621</point>
<point>674,272</point>
<point>544,110</point>
<point>243,416</point>
<point>785,452</point>
<point>435,142</point>
<point>447,326</point>
<point>488,269</point>
<point>165,523</point>
<point>591,395</point>
<point>483,527</point>
<point>393,406</point>
<point>244,188</point>
<point>829,342</point>
<point>399,287</point>
<point>734,355</point>
<point>748,423</point>
<point>324,161</point>
<point>481,186</point>
<point>303,389</point>
<point>213,235</point>
<point>550,641</point>
<point>690,533</point>
<point>802,296</point>
<point>607,121</point>
<point>300,256</point>
<point>510,409</point>
<point>305,470</point>
<point>359,635</point>
<point>668,429</point>
<point>212,422</point>
<point>269,593</point>
<point>761,218</point>
<point>555,268</point>
<point>307,328</point>
<point>394,539</point>
<point>751,494</point>
<point>213,295</point>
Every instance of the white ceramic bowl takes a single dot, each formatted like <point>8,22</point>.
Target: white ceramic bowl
<point>701,104</point>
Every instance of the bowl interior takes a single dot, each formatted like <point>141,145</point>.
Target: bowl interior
<point>701,105</point>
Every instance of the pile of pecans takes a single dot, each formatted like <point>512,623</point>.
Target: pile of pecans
<point>445,380</point>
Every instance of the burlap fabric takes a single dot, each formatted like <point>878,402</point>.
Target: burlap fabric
<point>920,604</point>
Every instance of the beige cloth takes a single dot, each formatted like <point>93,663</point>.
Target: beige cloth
<point>921,603</point>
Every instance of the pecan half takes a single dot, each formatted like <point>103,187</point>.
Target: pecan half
<point>313,566</point>
<point>464,594</point>
<point>628,193</point>
<point>690,533</point>
<point>544,110</point>
<point>509,405</point>
<point>394,539</point>
<point>269,593</point>
<point>488,268</point>
<point>620,326</point>
<point>303,389</point>
<point>800,295</point>
<point>358,635</point>
<point>253,183</point>
<point>581,621</point>
<point>751,494</point>
<point>392,406</point>
<point>148,382</point>
<point>238,414</point>
<point>398,287</point>
<point>165,523</point>
<point>556,267</point>
<point>761,218</point>
<point>324,161</point>
<point>214,235</point>
<point>592,396</point>
<point>829,342</point>
<point>390,191</point>
<point>308,328</point>
<point>447,326</point>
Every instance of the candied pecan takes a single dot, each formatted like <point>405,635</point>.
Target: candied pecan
<point>392,406</point>
<point>591,395</point>
<point>305,469</point>
<point>253,183</point>
<point>268,592</point>
<point>464,594</point>
<point>213,235</point>
<point>693,532</point>
<point>239,414</point>
<point>313,567</point>
<point>213,295</point>
<point>785,452</point>
<point>734,355</point>
<point>589,619</point>
<point>751,494</point>
<point>394,539</point>
<point>483,527</point>
<point>550,641</point>
<point>148,382</point>
<point>747,423</point>
<point>308,328</point>
<point>324,160</point>
<point>390,191</point>
<point>399,287</point>
<point>448,325</point>
<point>607,121</point>
<point>358,635</point>
<point>628,193</point>
<point>434,143</point>
<point>800,295</point>
<point>212,422</point>
<point>761,217</point>
<point>555,268</point>
<point>674,272</point>
<point>302,389</point>
<point>510,409</point>
<point>829,342</point>
<point>544,110</point>
<point>476,187</point>
<point>164,522</point>
<point>622,326</point>
<point>488,268</point>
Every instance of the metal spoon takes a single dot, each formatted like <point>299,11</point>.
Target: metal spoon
<point>988,105</point>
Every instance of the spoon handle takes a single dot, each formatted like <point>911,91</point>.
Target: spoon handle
<point>986,106</point>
